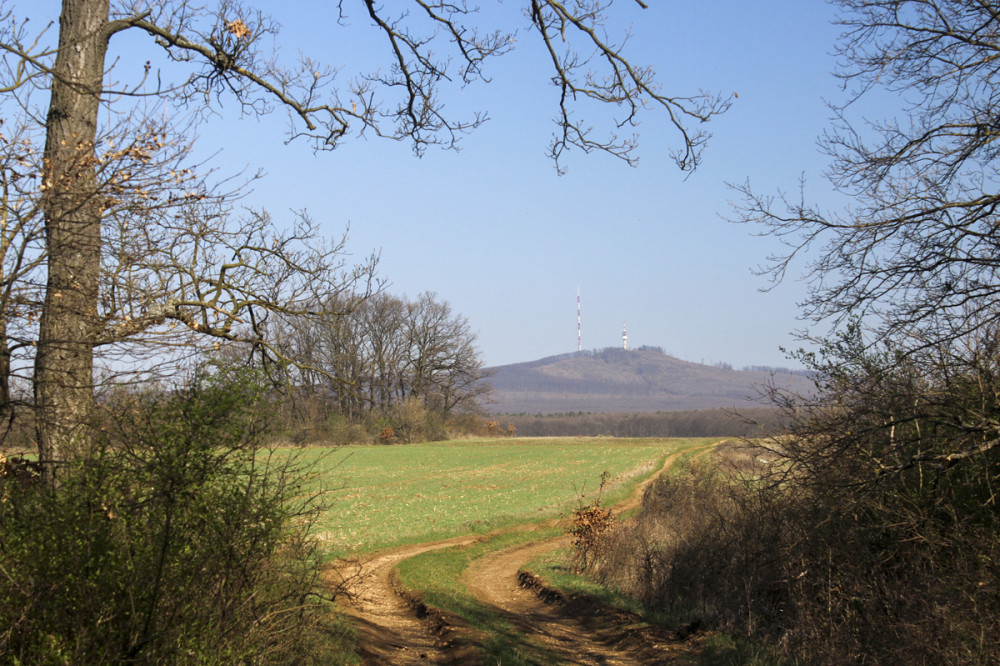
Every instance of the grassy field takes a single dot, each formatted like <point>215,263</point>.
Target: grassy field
<point>436,576</point>
<point>383,496</point>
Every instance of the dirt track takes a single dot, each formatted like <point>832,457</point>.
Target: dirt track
<point>391,629</point>
<point>394,629</point>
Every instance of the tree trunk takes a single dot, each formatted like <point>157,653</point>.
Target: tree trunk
<point>6,402</point>
<point>72,206</point>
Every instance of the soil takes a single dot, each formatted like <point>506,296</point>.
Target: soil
<point>393,627</point>
<point>396,628</point>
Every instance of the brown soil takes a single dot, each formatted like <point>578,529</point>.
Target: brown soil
<point>395,628</point>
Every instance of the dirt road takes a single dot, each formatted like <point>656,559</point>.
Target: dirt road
<point>394,629</point>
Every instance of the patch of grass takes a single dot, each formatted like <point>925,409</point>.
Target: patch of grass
<point>436,577</point>
<point>384,496</point>
<point>728,650</point>
<point>556,570</point>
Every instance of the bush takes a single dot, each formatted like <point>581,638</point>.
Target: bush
<point>867,533</point>
<point>412,421</point>
<point>175,539</point>
<point>700,551</point>
<point>591,521</point>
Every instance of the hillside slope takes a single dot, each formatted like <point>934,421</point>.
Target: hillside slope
<point>614,380</point>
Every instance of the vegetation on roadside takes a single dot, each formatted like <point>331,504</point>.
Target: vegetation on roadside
<point>559,572</point>
<point>176,538</point>
<point>823,554</point>
<point>556,571</point>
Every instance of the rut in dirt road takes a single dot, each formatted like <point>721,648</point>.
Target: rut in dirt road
<point>390,630</point>
<point>564,634</point>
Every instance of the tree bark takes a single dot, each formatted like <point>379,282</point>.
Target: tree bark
<point>72,207</point>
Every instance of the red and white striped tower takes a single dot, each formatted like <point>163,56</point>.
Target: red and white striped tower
<point>579,328</point>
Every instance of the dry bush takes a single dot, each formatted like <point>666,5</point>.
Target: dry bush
<point>590,523</point>
<point>693,552</point>
<point>866,534</point>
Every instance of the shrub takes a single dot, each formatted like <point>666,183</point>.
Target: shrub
<point>176,539</point>
<point>590,522</point>
<point>867,533</point>
<point>693,555</point>
<point>412,421</point>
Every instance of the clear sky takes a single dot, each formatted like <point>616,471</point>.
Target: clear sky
<point>497,233</point>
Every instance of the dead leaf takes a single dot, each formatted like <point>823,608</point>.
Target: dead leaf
<point>238,28</point>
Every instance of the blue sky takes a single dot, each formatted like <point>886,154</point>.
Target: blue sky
<point>497,233</point>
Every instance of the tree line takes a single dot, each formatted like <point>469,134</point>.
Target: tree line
<point>405,367</point>
<point>747,422</point>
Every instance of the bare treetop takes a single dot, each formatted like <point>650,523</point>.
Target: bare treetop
<point>917,247</point>
<point>427,47</point>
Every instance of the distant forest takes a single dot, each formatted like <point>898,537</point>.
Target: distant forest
<point>749,422</point>
<point>770,369</point>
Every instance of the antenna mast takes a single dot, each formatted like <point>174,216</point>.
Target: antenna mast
<point>579,329</point>
<point>624,337</point>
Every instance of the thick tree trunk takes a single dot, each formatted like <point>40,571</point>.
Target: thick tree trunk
<point>72,207</point>
<point>6,403</point>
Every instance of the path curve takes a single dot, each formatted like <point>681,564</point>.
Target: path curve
<point>394,628</point>
<point>570,635</point>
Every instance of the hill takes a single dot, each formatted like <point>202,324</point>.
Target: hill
<point>615,380</point>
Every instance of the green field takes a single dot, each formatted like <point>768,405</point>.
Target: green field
<point>383,496</point>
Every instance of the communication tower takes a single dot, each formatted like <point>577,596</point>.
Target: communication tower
<point>624,337</point>
<point>579,329</point>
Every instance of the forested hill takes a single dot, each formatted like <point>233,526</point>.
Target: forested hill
<point>615,380</point>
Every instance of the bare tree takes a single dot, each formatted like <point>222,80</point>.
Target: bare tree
<point>918,247</point>
<point>382,320</point>
<point>93,213</point>
<point>383,351</point>
<point>895,458</point>
<point>21,259</point>
<point>442,366</point>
